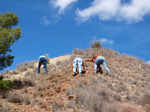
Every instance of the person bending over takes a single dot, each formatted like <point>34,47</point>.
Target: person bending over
<point>98,60</point>
<point>80,63</point>
<point>42,60</point>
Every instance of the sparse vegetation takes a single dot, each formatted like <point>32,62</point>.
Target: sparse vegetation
<point>4,107</point>
<point>14,97</point>
<point>96,44</point>
<point>27,99</point>
<point>78,51</point>
<point>60,91</point>
<point>56,106</point>
<point>94,99</point>
<point>5,85</point>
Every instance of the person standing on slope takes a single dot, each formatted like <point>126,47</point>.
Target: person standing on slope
<point>42,60</point>
<point>100,60</point>
<point>80,63</point>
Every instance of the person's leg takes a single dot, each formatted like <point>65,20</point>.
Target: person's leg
<point>98,61</point>
<point>74,66</point>
<point>95,67</point>
<point>105,66</point>
<point>83,65</point>
<point>99,68</point>
<point>80,67</point>
<point>45,66</point>
<point>40,62</point>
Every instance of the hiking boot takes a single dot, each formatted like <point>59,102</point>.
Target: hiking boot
<point>108,74</point>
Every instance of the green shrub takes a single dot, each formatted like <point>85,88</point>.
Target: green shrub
<point>5,85</point>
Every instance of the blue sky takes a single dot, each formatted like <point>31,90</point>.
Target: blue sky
<point>56,27</point>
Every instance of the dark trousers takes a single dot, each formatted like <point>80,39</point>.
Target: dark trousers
<point>42,61</point>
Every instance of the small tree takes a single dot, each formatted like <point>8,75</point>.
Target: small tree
<point>8,36</point>
<point>96,44</point>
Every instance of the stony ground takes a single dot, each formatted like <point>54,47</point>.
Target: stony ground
<point>127,90</point>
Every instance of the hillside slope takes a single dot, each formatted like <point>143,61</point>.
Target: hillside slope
<point>127,90</point>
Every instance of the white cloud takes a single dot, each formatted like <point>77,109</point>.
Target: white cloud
<point>45,21</point>
<point>102,40</point>
<point>135,11</point>
<point>105,9</point>
<point>114,9</point>
<point>61,4</point>
<point>148,61</point>
<point>106,41</point>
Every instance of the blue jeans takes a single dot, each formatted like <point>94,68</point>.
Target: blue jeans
<point>42,61</point>
<point>77,62</point>
<point>101,60</point>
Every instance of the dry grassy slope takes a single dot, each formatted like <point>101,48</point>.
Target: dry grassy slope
<point>20,74</point>
<point>129,80</point>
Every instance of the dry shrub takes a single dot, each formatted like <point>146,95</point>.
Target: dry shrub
<point>129,97</point>
<point>70,104</point>
<point>24,67</point>
<point>14,97</point>
<point>51,68</point>
<point>78,51</point>
<point>75,51</point>
<point>28,82</point>
<point>69,91</point>
<point>145,99</point>
<point>110,86</point>
<point>93,98</point>
<point>80,84</point>
<point>61,65</point>
<point>96,44</point>
<point>58,63</point>
<point>89,53</point>
<point>6,74</point>
<point>118,97</point>
<point>27,99</point>
<point>56,106</point>
<point>21,83</point>
<point>94,101</point>
<point>147,108</point>
<point>14,72</point>
<point>27,74</point>
<point>122,88</point>
<point>40,87</point>
<point>43,86</point>
<point>17,83</point>
<point>4,107</point>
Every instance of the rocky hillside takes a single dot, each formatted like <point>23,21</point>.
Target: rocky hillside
<point>127,90</point>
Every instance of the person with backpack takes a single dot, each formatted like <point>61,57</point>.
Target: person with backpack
<point>80,63</point>
<point>42,60</point>
<point>100,60</point>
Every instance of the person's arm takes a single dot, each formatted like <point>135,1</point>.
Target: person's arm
<point>83,65</point>
<point>88,59</point>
